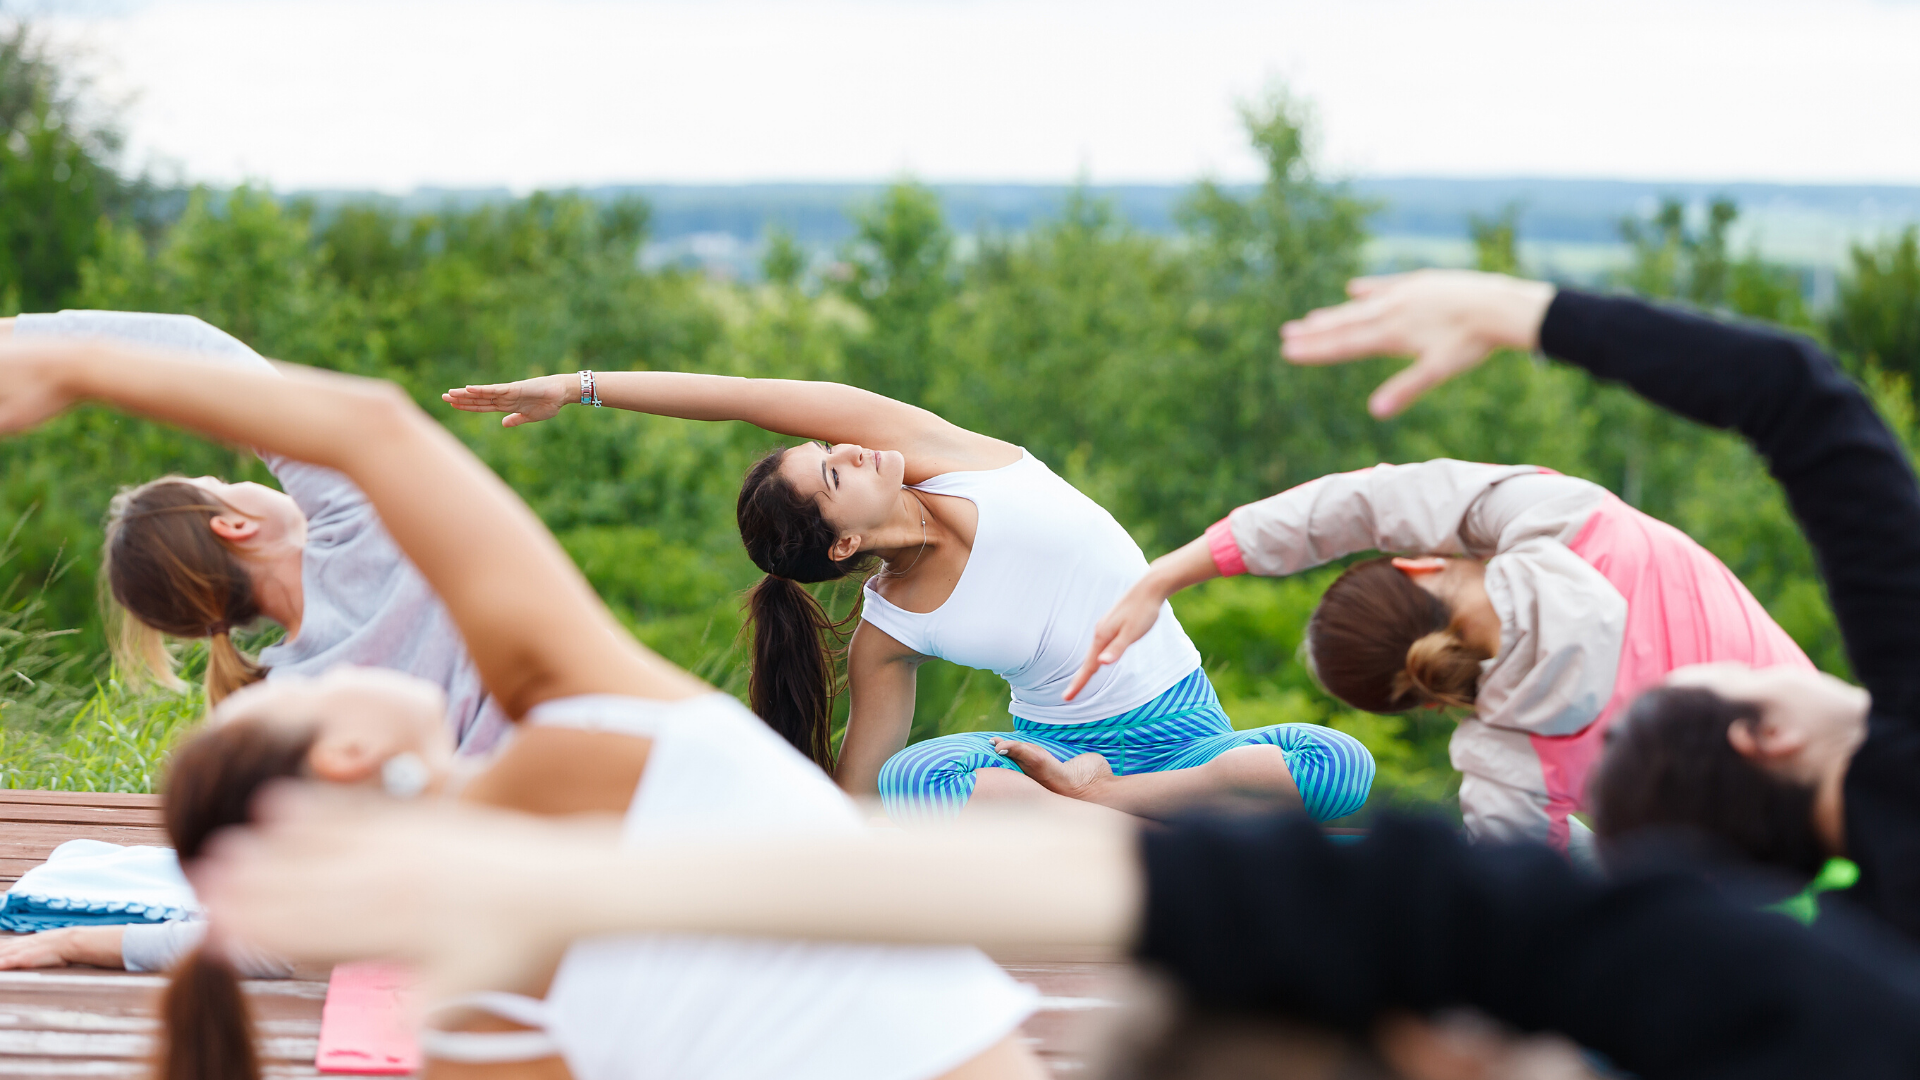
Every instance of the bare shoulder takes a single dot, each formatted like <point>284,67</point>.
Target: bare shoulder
<point>949,448</point>
<point>6,327</point>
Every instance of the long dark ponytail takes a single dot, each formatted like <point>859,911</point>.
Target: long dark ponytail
<point>792,686</point>
<point>207,1033</point>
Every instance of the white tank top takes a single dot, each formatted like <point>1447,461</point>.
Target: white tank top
<point>706,1007</point>
<point>1047,563</point>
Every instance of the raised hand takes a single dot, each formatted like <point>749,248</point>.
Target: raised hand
<point>1447,320</point>
<point>524,402</point>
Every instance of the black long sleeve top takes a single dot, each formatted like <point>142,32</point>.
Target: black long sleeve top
<point>1668,972</point>
<point>1852,489</point>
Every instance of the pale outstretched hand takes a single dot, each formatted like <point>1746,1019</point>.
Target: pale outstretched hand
<point>98,946</point>
<point>524,402</point>
<point>1447,320</point>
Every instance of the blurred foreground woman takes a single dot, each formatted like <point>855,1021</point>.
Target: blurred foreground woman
<point>607,728</point>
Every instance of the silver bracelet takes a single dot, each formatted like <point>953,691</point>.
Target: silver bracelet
<point>587,395</point>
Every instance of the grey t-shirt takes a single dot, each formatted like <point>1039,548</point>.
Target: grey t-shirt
<point>363,600</point>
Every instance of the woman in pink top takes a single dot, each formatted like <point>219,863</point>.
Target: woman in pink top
<point>1539,601</point>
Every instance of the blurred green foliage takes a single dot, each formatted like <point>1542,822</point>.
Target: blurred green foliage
<point>1143,368</point>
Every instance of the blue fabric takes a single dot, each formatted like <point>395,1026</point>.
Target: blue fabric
<point>94,883</point>
<point>1180,729</point>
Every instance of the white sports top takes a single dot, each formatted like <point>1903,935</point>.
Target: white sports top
<point>1047,563</point>
<point>705,1007</point>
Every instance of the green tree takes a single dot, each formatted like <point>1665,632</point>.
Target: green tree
<point>56,176</point>
<point>1496,240</point>
<point>1877,318</point>
<point>900,271</point>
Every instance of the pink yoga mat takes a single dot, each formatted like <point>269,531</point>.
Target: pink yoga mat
<point>363,1025</point>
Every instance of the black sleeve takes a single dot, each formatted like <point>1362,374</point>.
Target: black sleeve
<point>1852,488</point>
<point>1846,476</point>
<point>1661,973</point>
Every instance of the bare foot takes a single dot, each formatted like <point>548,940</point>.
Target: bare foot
<point>1079,777</point>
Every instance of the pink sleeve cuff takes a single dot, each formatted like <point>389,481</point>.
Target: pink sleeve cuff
<point>1225,551</point>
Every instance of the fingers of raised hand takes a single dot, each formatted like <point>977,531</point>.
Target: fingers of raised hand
<point>1349,331</point>
<point>1406,385</point>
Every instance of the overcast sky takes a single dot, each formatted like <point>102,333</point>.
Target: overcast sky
<point>398,93</point>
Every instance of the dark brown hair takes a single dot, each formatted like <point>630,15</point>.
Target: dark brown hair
<point>792,685</point>
<point>170,575</point>
<point>1668,764</point>
<point>207,1030</point>
<point>1381,643</point>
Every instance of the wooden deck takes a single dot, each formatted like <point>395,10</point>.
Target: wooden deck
<point>83,1022</point>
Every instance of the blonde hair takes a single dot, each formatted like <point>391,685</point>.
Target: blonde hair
<point>165,574</point>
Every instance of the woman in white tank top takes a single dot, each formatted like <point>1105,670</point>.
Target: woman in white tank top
<point>984,558</point>
<point>609,728</point>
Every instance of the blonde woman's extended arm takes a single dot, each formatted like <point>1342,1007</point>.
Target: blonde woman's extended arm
<point>534,627</point>
<point>478,896</point>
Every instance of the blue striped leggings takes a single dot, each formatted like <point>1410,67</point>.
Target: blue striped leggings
<point>1180,729</point>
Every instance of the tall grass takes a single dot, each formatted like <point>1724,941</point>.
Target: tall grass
<point>60,728</point>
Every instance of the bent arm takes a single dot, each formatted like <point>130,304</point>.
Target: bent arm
<point>832,412</point>
<point>546,636</point>
<point>1846,476</point>
<point>882,679</point>
<point>1415,509</point>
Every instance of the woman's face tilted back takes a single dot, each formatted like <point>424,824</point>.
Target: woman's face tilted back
<point>360,718</point>
<point>857,489</point>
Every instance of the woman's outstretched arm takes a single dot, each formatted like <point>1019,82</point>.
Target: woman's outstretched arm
<point>828,411</point>
<point>1251,915</point>
<point>533,625</point>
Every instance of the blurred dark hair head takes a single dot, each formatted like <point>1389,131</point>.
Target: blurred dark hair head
<point>1668,765</point>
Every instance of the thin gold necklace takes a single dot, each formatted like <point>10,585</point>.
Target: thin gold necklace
<point>923,540</point>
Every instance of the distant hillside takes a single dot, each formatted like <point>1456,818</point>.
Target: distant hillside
<point>1569,227</point>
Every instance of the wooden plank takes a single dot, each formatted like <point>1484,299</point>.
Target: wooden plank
<point>41,813</point>
<point>78,798</point>
<point>23,841</point>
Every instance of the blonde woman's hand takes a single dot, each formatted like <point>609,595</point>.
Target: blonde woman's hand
<point>1447,320</point>
<point>524,402</point>
<point>96,946</point>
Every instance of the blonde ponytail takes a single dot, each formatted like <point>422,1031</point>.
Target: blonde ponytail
<point>1442,669</point>
<point>140,653</point>
<point>165,574</point>
<point>228,669</point>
